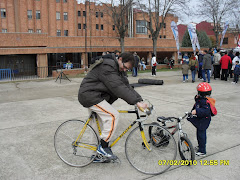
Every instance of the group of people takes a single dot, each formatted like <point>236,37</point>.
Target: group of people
<point>220,65</point>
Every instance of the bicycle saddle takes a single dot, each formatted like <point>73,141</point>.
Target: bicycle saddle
<point>162,119</point>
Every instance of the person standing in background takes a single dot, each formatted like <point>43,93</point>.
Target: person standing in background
<point>225,61</point>
<point>216,64</point>
<point>193,64</point>
<point>207,65</point>
<point>135,68</point>
<point>230,54</point>
<point>200,60</point>
<point>153,64</point>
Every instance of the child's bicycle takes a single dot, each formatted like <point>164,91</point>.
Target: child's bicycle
<point>76,143</point>
<point>185,146</point>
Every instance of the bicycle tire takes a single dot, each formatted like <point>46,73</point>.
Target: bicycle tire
<point>186,149</point>
<point>145,161</point>
<point>64,138</point>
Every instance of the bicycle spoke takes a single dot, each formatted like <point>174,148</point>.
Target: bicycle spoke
<point>71,152</point>
<point>144,160</point>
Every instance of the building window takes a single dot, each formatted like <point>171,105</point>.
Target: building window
<point>58,32</point>
<point>4,30</point>
<point>30,31</point>
<point>65,32</point>
<point>160,36</point>
<point>141,27</point>
<point>101,14</point>
<point>38,15</point>
<point>84,13</point>
<point>96,14</point>
<point>29,14</point>
<point>58,15</point>
<point>225,40</point>
<point>84,26</point>
<point>164,36</point>
<point>79,26</point>
<point>97,27</point>
<point>57,1</point>
<point>65,1</point>
<point>3,13</point>
<point>79,13</point>
<point>113,27</point>
<point>39,31</point>
<point>101,26</point>
<point>65,16</point>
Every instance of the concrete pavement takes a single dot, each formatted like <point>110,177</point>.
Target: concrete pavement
<point>31,111</point>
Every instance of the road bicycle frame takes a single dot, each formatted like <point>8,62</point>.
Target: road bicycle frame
<point>94,115</point>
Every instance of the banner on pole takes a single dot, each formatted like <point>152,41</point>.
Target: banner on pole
<point>224,32</point>
<point>193,36</point>
<point>175,33</point>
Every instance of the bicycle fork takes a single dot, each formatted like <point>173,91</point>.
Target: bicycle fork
<point>181,134</point>
<point>144,137</point>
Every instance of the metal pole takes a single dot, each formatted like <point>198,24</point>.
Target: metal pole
<point>86,35</point>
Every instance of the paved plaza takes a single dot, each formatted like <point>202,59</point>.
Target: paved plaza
<point>31,111</point>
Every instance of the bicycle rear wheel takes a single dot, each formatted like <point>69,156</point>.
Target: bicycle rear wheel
<point>186,149</point>
<point>77,154</point>
<point>162,152</point>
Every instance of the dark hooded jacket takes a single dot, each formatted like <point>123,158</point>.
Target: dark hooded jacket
<point>106,82</point>
<point>203,110</point>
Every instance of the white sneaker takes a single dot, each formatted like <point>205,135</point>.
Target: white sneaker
<point>183,81</point>
<point>187,80</point>
<point>200,154</point>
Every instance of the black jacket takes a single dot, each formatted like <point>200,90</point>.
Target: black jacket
<point>106,82</point>
<point>203,110</point>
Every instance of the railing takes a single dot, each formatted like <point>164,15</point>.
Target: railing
<point>5,74</point>
<point>26,73</point>
<point>29,72</point>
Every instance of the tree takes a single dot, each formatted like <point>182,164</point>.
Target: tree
<point>217,11</point>
<point>235,25</point>
<point>119,16</point>
<point>186,41</point>
<point>203,39</point>
<point>155,13</point>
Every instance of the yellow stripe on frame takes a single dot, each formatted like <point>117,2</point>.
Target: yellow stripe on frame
<point>122,111</point>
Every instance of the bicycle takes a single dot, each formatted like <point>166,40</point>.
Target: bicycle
<point>185,146</point>
<point>79,149</point>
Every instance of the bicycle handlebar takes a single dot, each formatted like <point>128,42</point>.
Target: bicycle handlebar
<point>148,111</point>
<point>172,119</point>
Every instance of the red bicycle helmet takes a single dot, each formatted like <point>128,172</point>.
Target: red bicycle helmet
<point>204,89</point>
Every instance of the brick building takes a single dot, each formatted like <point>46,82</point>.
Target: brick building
<point>45,33</point>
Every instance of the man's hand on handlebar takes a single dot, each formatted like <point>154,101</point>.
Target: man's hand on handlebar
<point>142,105</point>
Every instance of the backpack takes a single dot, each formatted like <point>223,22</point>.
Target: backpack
<point>211,102</point>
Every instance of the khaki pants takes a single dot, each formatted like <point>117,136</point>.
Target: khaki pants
<point>108,118</point>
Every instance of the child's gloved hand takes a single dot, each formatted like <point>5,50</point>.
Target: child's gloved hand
<point>196,97</point>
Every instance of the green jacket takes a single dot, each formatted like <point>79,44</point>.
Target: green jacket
<point>106,82</point>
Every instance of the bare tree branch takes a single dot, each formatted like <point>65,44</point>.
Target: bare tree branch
<point>217,11</point>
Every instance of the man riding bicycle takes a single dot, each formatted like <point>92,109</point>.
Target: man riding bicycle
<point>104,84</point>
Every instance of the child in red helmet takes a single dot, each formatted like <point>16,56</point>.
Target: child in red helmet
<point>202,110</point>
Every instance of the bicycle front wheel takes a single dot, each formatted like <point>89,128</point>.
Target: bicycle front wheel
<point>156,158</point>
<point>186,149</point>
<point>75,150</point>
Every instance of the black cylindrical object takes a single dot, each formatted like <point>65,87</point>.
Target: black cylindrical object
<point>150,81</point>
